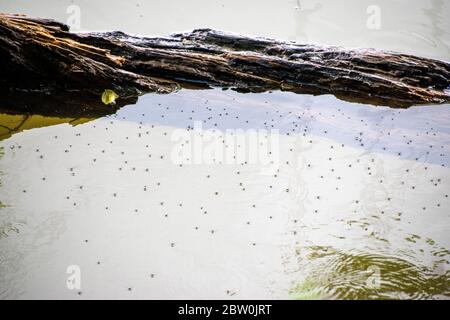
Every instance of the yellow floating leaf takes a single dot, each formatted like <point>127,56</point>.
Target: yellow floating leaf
<point>109,97</point>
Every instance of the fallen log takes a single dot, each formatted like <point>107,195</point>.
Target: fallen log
<point>40,58</point>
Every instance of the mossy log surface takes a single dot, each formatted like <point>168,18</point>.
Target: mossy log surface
<point>47,69</point>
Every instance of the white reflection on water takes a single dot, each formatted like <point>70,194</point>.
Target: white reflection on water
<point>366,185</point>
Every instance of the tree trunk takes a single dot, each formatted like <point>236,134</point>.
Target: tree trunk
<point>47,69</point>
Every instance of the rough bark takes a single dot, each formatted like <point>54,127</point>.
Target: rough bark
<point>47,69</point>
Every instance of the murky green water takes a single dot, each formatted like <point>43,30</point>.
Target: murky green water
<point>344,201</point>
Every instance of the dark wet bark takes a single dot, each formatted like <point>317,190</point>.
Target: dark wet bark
<point>69,71</point>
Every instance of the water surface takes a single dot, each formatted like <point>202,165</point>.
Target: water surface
<point>354,191</point>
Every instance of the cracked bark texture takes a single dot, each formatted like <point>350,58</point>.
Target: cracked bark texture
<point>47,69</point>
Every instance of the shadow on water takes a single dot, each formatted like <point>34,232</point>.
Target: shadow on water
<point>28,110</point>
<point>71,104</point>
